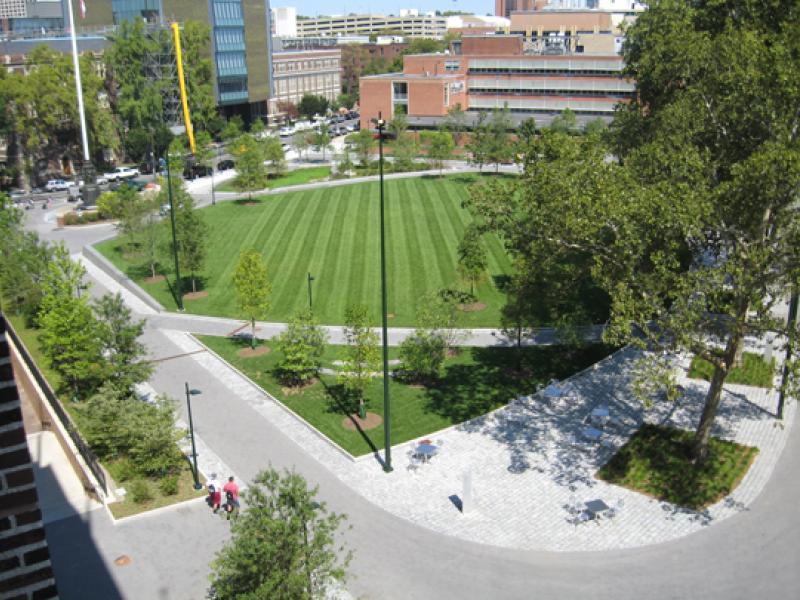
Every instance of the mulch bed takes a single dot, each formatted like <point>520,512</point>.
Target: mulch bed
<point>154,279</point>
<point>473,307</point>
<point>371,422</point>
<point>251,352</point>
<point>195,295</point>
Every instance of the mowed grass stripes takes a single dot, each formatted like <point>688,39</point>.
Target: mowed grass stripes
<point>333,233</point>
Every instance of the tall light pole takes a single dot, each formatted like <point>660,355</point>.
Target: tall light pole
<point>189,394</point>
<point>310,279</point>
<point>387,422</point>
<point>178,286</point>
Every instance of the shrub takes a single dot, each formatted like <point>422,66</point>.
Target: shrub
<point>108,204</point>
<point>123,469</point>
<point>71,218</point>
<point>423,355</point>
<point>168,485</point>
<point>139,491</point>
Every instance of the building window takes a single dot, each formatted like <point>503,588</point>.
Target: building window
<point>400,91</point>
<point>452,65</point>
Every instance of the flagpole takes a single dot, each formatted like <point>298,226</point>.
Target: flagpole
<point>78,86</point>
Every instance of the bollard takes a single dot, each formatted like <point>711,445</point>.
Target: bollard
<point>466,491</point>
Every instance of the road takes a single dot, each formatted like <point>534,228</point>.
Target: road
<point>755,554</point>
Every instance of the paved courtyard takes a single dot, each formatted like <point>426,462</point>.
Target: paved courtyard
<point>525,467</point>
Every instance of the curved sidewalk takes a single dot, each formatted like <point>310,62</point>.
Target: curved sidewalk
<point>524,469</point>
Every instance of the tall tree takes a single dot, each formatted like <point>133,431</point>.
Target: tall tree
<point>300,142</point>
<point>192,234</point>
<point>362,355</point>
<point>312,105</point>
<point>499,139</point>
<point>362,144</point>
<point>302,345</point>
<point>233,128</point>
<point>479,145</point>
<point>404,150</point>
<point>322,139</point>
<point>252,288</point>
<point>565,122</point>
<point>44,114</point>
<point>693,233</point>
<point>472,257</point>
<point>119,338</point>
<point>69,332</point>
<point>283,545</point>
<point>23,263</point>
<point>456,123</point>
<point>251,173</point>
<point>274,155</point>
<point>439,145</point>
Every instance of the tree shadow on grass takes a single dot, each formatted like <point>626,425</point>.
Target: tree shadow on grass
<point>341,402</point>
<point>498,375</point>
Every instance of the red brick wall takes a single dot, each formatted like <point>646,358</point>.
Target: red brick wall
<point>376,96</point>
<point>25,569</point>
<point>509,45</point>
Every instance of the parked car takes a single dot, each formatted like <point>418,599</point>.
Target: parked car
<point>121,173</point>
<point>195,171</point>
<point>131,183</point>
<point>56,185</point>
<point>350,128</point>
<point>224,165</point>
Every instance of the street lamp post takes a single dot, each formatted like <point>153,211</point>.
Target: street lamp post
<point>310,279</point>
<point>785,375</point>
<point>189,394</point>
<point>179,294</point>
<point>387,423</point>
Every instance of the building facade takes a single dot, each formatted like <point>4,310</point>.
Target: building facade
<point>493,72</point>
<point>429,25</point>
<point>240,41</point>
<point>296,73</point>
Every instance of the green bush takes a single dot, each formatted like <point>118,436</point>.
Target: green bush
<point>140,491</point>
<point>122,470</point>
<point>71,218</point>
<point>108,204</point>
<point>169,485</point>
<point>118,425</point>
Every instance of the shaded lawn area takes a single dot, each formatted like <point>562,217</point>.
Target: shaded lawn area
<point>295,177</point>
<point>754,371</point>
<point>473,383</point>
<point>656,461</point>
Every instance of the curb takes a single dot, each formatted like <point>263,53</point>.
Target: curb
<point>102,263</point>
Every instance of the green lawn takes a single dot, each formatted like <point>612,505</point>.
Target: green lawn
<point>333,233</point>
<point>655,461</point>
<point>754,371</point>
<point>295,177</point>
<point>474,382</point>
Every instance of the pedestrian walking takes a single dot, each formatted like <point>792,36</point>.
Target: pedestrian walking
<point>231,496</point>
<point>214,493</point>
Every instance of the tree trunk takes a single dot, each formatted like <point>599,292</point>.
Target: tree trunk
<point>153,269</point>
<point>713,397</point>
<point>737,359</point>
<point>194,284</point>
<point>253,334</point>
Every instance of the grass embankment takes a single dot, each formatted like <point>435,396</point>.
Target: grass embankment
<point>334,234</point>
<point>295,177</point>
<point>473,383</point>
<point>657,461</point>
<point>754,371</point>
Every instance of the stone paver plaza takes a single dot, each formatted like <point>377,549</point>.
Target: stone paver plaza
<point>524,464</point>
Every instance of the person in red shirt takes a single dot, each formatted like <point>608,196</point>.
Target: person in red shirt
<point>231,494</point>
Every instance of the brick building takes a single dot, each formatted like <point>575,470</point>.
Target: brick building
<point>493,72</point>
<point>25,568</point>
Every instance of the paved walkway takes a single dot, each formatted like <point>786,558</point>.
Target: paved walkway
<point>524,468</point>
